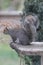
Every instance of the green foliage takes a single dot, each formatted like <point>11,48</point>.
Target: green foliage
<point>36,7</point>
<point>32,60</point>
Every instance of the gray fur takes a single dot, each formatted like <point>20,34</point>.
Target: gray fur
<point>19,36</point>
<point>27,33</point>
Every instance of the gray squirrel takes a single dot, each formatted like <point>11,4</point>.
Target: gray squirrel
<point>27,31</point>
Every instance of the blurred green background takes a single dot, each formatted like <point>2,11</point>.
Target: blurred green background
<point>7,55</point>
<point>11,4</point>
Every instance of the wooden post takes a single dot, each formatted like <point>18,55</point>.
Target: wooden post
<point>41,60</point>
<point>22,61</point>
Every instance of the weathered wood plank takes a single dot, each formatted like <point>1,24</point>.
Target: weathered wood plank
<point>36,48</point>
<point>11,13</point>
